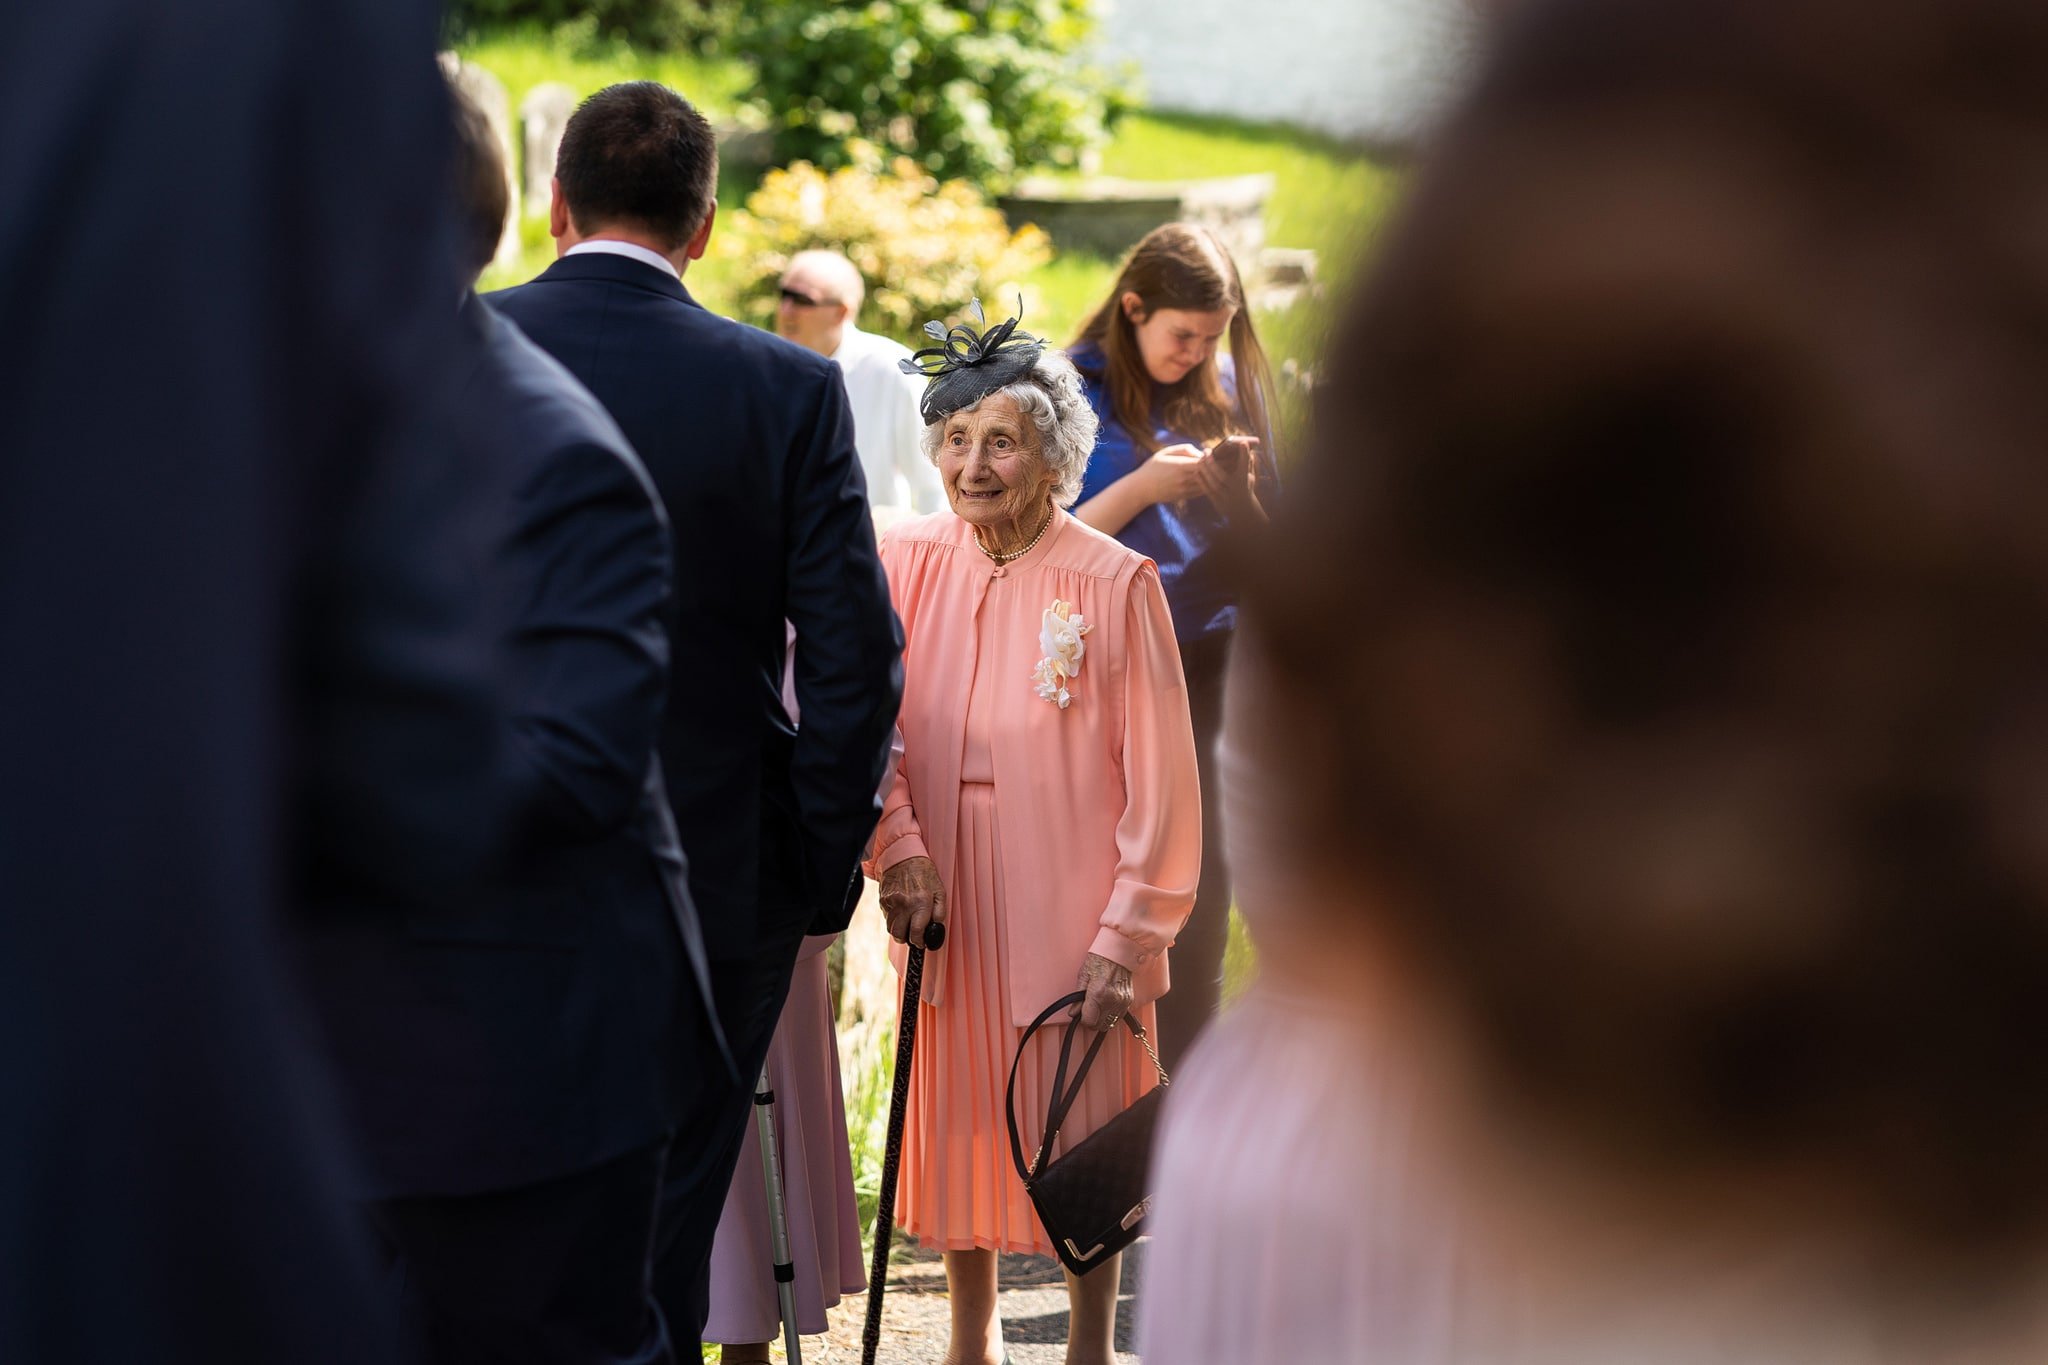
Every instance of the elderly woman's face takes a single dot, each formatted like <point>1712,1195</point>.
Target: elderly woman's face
<point>990,463</point>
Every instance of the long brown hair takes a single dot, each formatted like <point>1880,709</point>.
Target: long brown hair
<point>1181,266</point>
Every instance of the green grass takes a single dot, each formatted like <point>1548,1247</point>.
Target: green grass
<point>1327,195</point>
<point>1065,291</point>
<point>867,1090</point>
<point>526,55</point>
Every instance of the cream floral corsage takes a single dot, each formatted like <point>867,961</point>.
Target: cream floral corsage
<point>1059,635</point>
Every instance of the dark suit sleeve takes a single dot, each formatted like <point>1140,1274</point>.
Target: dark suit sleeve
<point>849,649</point>
<point>589,649</point>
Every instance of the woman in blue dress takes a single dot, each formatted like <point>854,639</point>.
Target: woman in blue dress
<point>1184,452</point>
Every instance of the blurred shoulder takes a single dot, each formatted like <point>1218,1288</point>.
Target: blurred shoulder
<point>538,388</point>
<point>542,414</point>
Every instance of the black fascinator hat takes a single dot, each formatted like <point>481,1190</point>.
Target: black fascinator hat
<point>968,365</point>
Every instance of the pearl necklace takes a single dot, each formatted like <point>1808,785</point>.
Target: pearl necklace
<point>1043,527</point>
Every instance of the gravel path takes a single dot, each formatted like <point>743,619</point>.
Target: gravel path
<point>1034,1308</point>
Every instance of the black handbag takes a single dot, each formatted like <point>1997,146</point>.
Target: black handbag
<point>1093,1200</point>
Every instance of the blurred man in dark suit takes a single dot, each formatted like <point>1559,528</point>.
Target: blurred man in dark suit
<point>750,443</point>
<point>516,1066</point>
<point>242,668</point>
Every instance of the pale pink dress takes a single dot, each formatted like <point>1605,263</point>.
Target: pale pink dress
<point>1292,1221</point>
<point>1056,832</point>
<point>817,1174</point>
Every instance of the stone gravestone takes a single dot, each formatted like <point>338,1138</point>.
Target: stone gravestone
<point>489,94</point>
<point>543,114</point>
<point>1107,216</point>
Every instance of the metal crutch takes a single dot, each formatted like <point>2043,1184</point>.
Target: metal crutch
<point>778,1215</point>
<point>892,1154</point>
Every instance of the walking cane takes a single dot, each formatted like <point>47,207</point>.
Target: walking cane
<point>778,1216</point>
<point>892,1154</point>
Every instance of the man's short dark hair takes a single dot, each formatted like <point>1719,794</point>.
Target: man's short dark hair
<point>482,196</point>
<point>637,155</point>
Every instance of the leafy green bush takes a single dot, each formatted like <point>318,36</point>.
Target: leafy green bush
<point>666,25</point>
<point>925,248</point>
<point>982,89</point>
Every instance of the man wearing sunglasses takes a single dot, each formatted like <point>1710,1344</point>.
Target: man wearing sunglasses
<point>820,298</point>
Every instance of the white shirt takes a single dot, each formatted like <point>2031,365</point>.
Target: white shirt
<point>628,250</point>
<point>885,422</point>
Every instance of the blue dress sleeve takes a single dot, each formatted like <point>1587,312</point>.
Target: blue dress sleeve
<point>1114,455</point>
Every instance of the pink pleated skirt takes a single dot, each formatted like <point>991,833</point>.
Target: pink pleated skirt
<point>817,1174</point>
<point>960,1190</point>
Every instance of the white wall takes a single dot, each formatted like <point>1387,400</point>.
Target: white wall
<point>1357,68</point>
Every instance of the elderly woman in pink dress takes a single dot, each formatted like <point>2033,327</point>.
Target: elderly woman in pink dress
<point>1046,809</point>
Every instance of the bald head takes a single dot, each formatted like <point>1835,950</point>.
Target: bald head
<point>821,294</point>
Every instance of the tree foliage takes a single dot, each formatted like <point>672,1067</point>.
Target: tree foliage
<point>924,248</point>
<point>983,89</point>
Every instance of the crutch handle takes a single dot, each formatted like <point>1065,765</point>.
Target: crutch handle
<point>935,935</point>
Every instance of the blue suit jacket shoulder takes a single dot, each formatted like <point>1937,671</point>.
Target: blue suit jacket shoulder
<point>486,1046</point>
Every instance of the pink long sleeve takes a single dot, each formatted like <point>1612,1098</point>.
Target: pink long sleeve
<point>897,836</point>
<point>1159,837</point>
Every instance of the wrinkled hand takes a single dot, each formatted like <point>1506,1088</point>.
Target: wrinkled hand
<point>1173,473</point>
<point>912,897</point>
<point>1108,988</point>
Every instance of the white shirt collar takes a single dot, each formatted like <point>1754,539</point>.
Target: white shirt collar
<point>629,250</point>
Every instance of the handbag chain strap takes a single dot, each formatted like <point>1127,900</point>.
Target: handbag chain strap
<point>1145,1039</point>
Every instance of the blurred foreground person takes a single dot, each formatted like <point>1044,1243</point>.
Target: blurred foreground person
<point>750,445</point>
<point>1644,734</point>
<point>242,670</point>
<point>515,1067</point>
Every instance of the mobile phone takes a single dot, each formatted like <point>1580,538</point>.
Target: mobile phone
<point>1231,453</point>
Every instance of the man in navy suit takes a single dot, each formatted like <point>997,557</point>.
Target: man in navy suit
<point>516,1066</point>
<point>240,652</point>
<point>750,443</point>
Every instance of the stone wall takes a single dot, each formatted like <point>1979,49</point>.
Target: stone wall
<point>1368,69</point>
